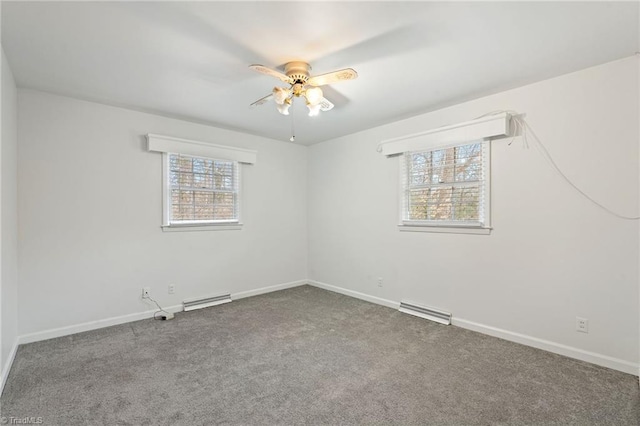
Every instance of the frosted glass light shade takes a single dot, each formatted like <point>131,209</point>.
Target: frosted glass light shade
<point>313,109</point>
<point>280,95</point>
<point>314,95</point>
<point>283,108</point>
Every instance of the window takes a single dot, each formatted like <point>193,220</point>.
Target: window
<point>200,183</point>
<point>201,191</point>
<point>447,187</point>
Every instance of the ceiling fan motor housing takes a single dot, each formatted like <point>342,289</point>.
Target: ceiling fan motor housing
<point>298,71</point>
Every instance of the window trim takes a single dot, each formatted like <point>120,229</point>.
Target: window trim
<point>481,228</point>
<point>217,225</point>
<point>169,144</point>
<point>484,128</point>
<point>476,230</point>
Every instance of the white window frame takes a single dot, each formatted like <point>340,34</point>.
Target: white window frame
<point>171,145</point>
<point>483,226</point>
<point>204,225</point>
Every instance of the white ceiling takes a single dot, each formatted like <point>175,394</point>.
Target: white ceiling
<point>190,60</point>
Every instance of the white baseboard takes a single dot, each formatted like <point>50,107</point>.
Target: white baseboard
<point>91,325</point>
<point>557,348</point>
<point>7,366</point>
<point>356,294</point>
<point>107,322</point>
<point>568,351</point>
<point>263,290</point>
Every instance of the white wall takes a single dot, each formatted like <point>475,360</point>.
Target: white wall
<point>551,256</point>
<point>90,215</point>
<point>8,219</point>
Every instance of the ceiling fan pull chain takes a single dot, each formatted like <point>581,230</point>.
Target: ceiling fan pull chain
<point>293,128</point>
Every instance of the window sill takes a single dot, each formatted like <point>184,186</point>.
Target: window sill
<point>202,227</point>
<point>477,230</point>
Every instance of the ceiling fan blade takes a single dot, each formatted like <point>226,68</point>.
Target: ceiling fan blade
<point>394,42</point>
<point>337,98</point>
<point>325,105</point>
<point>273,73</point>
<point>262,100</point>
<point>333,77</point>
<point>197,26</point>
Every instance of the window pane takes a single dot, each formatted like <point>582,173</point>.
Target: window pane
<point>174,179</point>
<point>203,197</point>
<point>420,169</point>
<point>465,203</point>
<point>186,197</point>
<point>223,175</point>
<point>202,181</point>
<point>186,211</point>
<point>198,165</point>
<point>185,164</point>
<point>203,212</point>
<point>185,179</point>
<point>440,204</point>
<point>202,189</point>
<point>175,196</point>
<point>418,204</point>
<point>437,163</point>
<point>468,163</point>
<point>173,162</point>
<point>444,184</point>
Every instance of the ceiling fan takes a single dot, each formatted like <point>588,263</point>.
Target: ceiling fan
<point>296,74</point>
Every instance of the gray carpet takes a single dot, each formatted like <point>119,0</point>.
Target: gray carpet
<point>307,356</point>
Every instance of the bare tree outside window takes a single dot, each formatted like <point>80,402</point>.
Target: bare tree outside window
<point>202,189</point>
<point>445,184</point>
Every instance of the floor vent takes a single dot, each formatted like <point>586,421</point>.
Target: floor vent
<point>193,304</point>
<point>427,313</point>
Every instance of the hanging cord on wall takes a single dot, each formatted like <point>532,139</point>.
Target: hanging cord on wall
<point>155,314</point>
<point>523,128</point>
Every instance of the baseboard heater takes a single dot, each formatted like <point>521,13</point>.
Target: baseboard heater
<point>426,313</point>
<point>193,304</point>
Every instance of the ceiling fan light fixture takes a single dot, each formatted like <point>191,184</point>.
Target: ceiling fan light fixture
<point>280,95</point>
<point>284,107</point>
<point>314,110</point>
<point>314,95</point>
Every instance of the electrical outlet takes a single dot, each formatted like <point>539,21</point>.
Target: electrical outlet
<point>379,281</point>
<point>146,292</point>
<point>582,325</point>
<point>172,288</point>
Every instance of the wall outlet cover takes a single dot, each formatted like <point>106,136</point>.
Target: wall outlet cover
<point>582,325</point>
